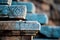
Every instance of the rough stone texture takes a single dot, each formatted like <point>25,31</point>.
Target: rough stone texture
<point>19,28</point>
<point>14,11</point>
<point>6,25</point>
<point>18,25</point>
<point>11,38</point>
<point>6,1</point>
<point>16,38</point>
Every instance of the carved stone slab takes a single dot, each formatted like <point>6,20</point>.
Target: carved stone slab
<point>6,1</point>
<point>41,18</point>
<point>14,11</point>
<point>18,25</point>
<point>30,6</point>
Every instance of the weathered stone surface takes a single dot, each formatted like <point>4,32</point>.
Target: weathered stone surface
<point>30,6</point>
<point>41,18</point>
<point>6,1</point>
<point>11,38</point>
<point>14,11</point>
<point>16,38</point>
<point>18,25</point>
<point>19,28</point>
<point>51,31</point>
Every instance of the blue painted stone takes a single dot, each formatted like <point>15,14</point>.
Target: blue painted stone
<point>30,6</point>
<point>4,9</point>
<point>6,1</point>
<point>3,1</point>
<point>46,30</point>
<point>20,25</point>
<point>30,25</point>
<point>14,11</point>
<point>51,31</point>
<point>56,31</point>
<point>41,18</point>
<point>44,39</point>
<point>18,11</point>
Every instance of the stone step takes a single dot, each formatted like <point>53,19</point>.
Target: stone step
<point>11,28</point>
<point>30,6</point>
<point>51,31</point>
<point>41,18</point>
<point>14,11</point>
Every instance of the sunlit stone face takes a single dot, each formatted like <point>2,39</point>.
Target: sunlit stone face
<point>9,2</point>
